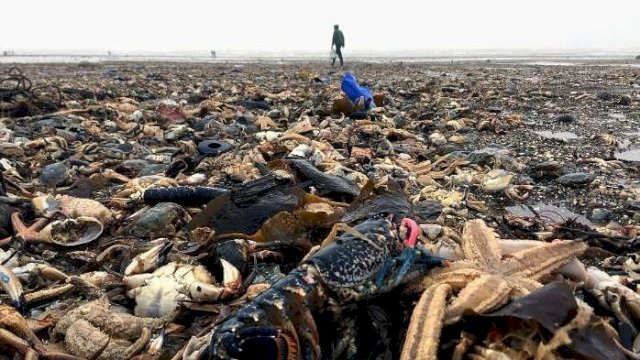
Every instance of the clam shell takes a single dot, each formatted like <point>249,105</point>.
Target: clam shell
<point>72,232</point>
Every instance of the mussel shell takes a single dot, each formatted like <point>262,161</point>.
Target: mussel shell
<point>72,232</point>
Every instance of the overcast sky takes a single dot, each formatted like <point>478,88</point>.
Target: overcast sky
<point>182,25</point>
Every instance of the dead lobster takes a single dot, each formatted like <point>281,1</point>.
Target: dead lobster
<point>365,261</point>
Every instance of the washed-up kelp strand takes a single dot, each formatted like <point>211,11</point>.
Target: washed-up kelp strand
<point>16,84</point>
<point>331,186</point>
<point>183,195</point>
<point>225,216</point>
<point>591,341</point>
<point>426,210</point>
<point>378,201</point>
<point>300,229</point>
<point>246,207</point>
<point>535,306</point>
<point>247,192</point>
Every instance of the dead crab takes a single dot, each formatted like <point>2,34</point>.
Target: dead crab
<point>94,331</point>
<point>161,292</point>
<point>614,295</point>
<point>134,189</point>
<point>500,180</point>
<point>71,207</point>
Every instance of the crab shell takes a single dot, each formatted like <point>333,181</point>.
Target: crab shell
<point>158,294</point>
<point>496,180</point>
<point>72,232</point>
<point>72,207</point>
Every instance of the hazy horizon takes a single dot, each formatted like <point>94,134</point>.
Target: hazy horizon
<point>290,26</point>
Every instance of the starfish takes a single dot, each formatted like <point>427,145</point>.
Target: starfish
<point>265,123</point>
<point>27,233</point>
<point>484,281</point>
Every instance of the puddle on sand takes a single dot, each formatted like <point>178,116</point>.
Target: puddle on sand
<point>550,214</point>
<point>631,155</point>
<point>562,135</point>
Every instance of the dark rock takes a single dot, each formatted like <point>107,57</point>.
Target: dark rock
<point>625,100</point>
<point>161,218</point>
<point>250,104</point>
<point>576,179</point>
<point>53,174</point>
<point>634,205</point>
<point>600,215</point>
<point>604,95</point>
<point>565,118</point>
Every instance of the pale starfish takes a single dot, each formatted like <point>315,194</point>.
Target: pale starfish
<point>485,280</point>
<point>265,123</point>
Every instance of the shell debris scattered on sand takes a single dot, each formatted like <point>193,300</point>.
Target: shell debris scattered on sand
<point>170,196</point>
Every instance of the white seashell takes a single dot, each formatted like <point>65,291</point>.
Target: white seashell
<point>268,135</point>
<point>437,139</point>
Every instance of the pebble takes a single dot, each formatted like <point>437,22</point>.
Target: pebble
<point>432,231</point>
<point>576,179</point>
<point>53,174</point>
<point>599,214</point>
<point>137,116</point>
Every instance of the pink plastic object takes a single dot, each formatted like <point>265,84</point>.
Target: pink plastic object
<point>414,230</point>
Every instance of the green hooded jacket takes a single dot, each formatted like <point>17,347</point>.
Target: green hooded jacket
<point>338,38</point>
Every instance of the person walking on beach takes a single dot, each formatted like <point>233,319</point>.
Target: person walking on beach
<point>338,42</point>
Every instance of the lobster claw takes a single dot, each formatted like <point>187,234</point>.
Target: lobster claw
<point>256,342</point>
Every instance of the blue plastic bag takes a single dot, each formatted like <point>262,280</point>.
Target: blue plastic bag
<point>354,91</point>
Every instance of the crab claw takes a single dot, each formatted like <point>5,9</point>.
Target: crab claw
<point>519,192</point>
<point>414,230</point>
<point>149,259</point>
<point>12,286</point>
<point>231,282</point>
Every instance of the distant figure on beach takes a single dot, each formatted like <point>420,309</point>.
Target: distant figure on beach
<point>213,54</point>
<point>338,42</point>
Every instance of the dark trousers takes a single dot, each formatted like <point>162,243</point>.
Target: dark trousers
<point>339,53</point>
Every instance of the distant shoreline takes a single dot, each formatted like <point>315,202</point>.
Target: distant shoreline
<point>557,59</point>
